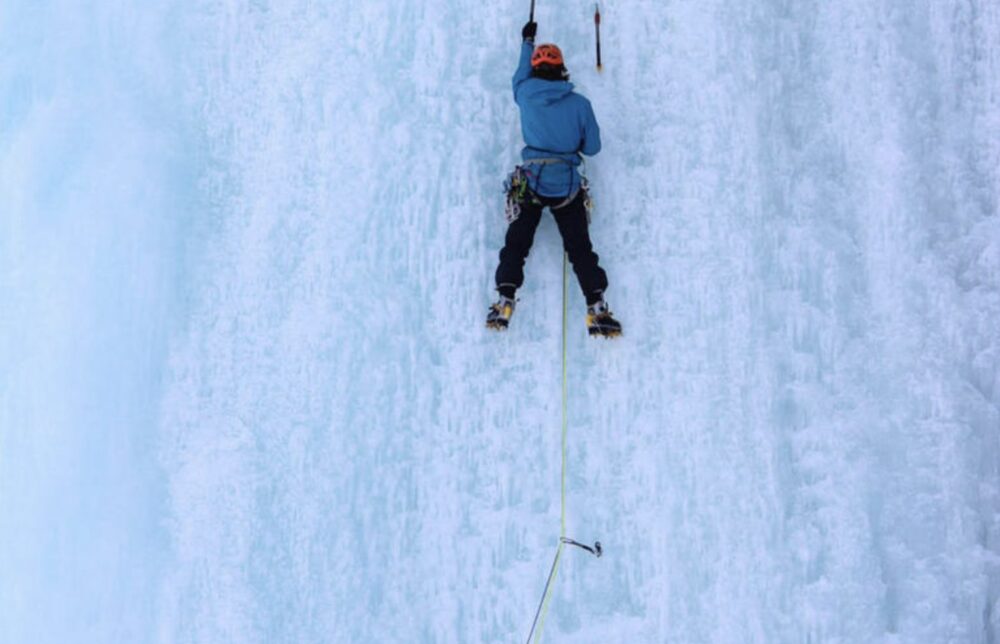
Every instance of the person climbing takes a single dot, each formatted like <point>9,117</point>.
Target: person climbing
<point>558,125</point>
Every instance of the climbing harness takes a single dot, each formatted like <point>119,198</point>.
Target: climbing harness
<point>517,187</point>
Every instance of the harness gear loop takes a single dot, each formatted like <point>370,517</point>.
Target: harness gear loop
<point>516,187</point>
<point>588,200</point>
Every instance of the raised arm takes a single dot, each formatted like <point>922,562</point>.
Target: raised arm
<point>523,72</point>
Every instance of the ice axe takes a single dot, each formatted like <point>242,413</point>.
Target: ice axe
<point>597,31</point>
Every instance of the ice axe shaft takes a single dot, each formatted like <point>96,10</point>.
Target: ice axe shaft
<point>597,32</point>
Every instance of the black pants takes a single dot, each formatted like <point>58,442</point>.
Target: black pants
<point>572,222</point>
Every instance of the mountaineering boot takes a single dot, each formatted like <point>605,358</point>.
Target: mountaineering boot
<point>500,312</point>
<point>600,322</point>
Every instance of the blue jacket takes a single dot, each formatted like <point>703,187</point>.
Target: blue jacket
<point>555,122</point>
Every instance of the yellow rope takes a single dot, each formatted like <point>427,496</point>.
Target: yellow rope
<point>562,527</point>
<point>548,594</point>
<point>562,511</point>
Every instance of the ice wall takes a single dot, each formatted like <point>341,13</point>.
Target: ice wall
<point>246,250</point>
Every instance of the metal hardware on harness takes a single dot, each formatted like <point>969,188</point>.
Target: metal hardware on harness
<point>588,201</point>
<point>516,187</point>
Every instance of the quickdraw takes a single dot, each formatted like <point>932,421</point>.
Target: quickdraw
<point>516,187</point>
<point>588,201</point>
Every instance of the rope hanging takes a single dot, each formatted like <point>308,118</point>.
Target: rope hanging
<point>543,605</point>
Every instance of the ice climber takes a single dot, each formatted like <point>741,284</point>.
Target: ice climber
<point>558,126</point>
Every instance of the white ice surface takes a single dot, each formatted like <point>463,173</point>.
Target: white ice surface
<point>246,394</point>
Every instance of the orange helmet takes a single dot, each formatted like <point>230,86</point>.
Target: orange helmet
<point>546,54</point>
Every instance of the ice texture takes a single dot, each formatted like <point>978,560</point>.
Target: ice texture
<point>247,395</point>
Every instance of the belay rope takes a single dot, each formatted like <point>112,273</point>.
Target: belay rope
<point>596,550</point>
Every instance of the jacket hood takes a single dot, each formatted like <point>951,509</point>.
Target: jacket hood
<point>544,92</point>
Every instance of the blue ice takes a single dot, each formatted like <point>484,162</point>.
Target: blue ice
<point>246,395</point>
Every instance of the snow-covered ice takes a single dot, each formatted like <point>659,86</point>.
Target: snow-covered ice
<point>246,395</point>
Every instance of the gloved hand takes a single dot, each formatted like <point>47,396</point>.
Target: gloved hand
<point>529,30</point>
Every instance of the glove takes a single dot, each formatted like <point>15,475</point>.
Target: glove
<point>529,30</point>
